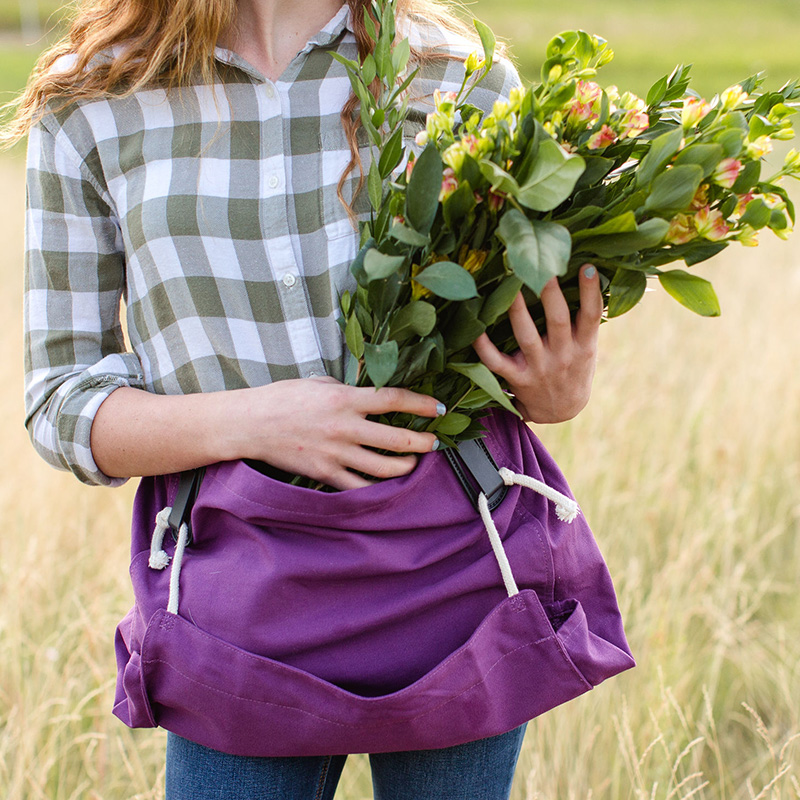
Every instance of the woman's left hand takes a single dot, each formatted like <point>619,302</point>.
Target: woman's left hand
<point>551,375</point>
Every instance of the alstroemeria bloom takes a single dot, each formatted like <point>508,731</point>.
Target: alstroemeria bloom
<point>680,230</point>
<point>603,138</point>
<point>748,236</point>
<point>472,260</point>
<point>759,147</point>
<point>711,225</point>
<point>792,162</point>
<point>495,200</point>
<point>727,172</point>
<point>580,113</point>
<point>635,122</point>
<point>694,110</point>
<point>444,101</point>
<point>732,98</point>
<point>421,138</point>
<point>742,201</point>
<point>700,199</point>
<point>449,184</point>
<point>588,92</point>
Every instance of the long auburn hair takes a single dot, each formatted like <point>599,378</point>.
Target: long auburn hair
<point>167,43</point>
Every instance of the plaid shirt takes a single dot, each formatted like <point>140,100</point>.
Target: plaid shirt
<point>213,212</point>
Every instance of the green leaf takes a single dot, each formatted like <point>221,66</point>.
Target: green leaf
<point>658,156</point>
<point>626,290</point>
<point>480,375</point>
<point>380,361</point>
<point>354,337</point>
<point>672,191</point>
<point>400,55</point>
<point>657,92</point>
<point>452,424</point>
<point>378,265</point>
<point>391,154</point>
<point>369,69</point>
<point>458,205</point>
<point>705,156</point>
<point>499,179</point>
<point>692,291</point>
<point>488,41</point>
<point>402,233</point>
<point>422,194</point>
<point>417,318</point>
<point>448,280</point>
<point>649,234</point>
<point>732,141</point>
<point>552,179</point>
<point>624,223</point>
<point>757,214</point>
<point>536,250</point>
<point>500,300</point>
<point>375,185</point>
<point>477,398</point>
<point>748,177</point>
<point>464,327</point>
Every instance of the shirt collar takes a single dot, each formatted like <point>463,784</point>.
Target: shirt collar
<point>341,22</point>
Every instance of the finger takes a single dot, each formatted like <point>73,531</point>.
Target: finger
<point>398,440</point>
<point>525,332</point>
<point>492,358</point>
<point>587,323</point>
<point>556,315</point>
<point>380,466</point>
<point>385,401</point>
<point>345,479</point>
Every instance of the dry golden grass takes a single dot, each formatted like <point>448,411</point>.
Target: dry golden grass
<point>686,462</point>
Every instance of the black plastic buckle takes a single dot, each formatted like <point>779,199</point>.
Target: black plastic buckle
<point>477,472</point>
<point>188,488</point>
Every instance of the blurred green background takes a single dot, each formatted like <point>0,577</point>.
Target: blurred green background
<point>725,39</point>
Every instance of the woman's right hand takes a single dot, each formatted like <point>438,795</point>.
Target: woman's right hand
<point>315,427</point>
<point>318,427</point>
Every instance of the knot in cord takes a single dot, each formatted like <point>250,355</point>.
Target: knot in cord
<point>159,558</point>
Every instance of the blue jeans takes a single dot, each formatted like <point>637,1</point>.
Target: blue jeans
<point>481,770</point>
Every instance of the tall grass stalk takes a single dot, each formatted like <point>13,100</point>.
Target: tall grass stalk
<point>686,463</point>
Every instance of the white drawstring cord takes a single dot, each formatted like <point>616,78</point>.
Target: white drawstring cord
<point>497,546</point>
<point>159,558</point>
<point>175,573</point>
<point>566,510</point>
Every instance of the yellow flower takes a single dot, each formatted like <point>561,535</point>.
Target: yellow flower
<point>472,260</point>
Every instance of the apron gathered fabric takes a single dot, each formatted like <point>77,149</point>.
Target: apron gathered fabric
<point>370,620</point>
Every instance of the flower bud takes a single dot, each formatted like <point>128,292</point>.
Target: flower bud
<point>748,236</point>
<point>727,172</point>
<point>421,138</point>
<point>449,184</point>
<point>603,138</point>
<point>681,230</point>
<point>792,162</point>
<point>694,111</point>
<point>732,98</point>
<point>759,147</point>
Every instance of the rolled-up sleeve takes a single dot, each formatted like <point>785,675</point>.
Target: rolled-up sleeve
<point>75,352</point>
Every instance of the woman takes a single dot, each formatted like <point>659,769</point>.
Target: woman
<point>204,185</point>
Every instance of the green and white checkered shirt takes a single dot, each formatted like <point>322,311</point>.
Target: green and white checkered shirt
<point>213,212</point>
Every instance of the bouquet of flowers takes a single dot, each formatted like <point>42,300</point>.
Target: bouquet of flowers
<point>563,173</point>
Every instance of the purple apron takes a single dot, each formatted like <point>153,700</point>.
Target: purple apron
<point>370,620</point>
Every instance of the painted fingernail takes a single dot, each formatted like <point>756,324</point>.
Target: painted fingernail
<point>589,272</point>
<point>436,445</point>
<point>441,409</point>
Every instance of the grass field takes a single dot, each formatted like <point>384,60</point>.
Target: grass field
<point>686,463</point>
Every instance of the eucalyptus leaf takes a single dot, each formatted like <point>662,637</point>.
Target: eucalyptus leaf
<point>626,290</point>
<point>380,361</point>
<point>649,234</point>
<point>452,423</point>
<point>624,223</point>
<point>378,265</point>
<point>537,251</point>
<point>418,318</point>
<point>402,233</point>
<point>552,179</point>
<point>705,156</point>
<point>500,300</point>
<point>692,291</point>
<point>448,280</point>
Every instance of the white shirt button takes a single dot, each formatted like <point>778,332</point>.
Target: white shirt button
<point>313,374</point>
<point>289,280</point>
<point>274,181</point>
<point>269,90</point>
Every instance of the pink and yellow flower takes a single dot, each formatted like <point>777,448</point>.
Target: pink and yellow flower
<point>727,172</point>
<point>742,201</point>
<point>748,236</point>
<point>732,98</point>
<point>694,111</point>
<point>603,138</point>
<point>449,184</point>
<point>495,200</point>
<point>681,230</point>
<point>711,225</point>
<point>700,199</point>
<point>759,147</point>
